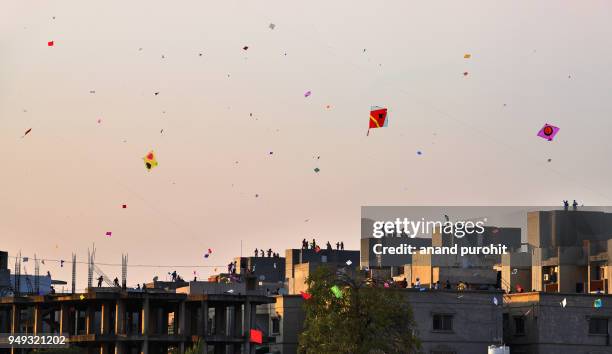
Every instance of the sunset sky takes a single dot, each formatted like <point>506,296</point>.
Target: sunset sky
<point>62,186</point>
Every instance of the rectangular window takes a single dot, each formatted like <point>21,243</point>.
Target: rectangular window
<point>598,325</point>
<point>275,325</point>
<point>519,325</point>
<point>442,322</point>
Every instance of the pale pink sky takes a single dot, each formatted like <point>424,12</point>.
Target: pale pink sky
<point>62,186</point>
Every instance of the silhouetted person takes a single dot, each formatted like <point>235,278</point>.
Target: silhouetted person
<point>304,244</point>
<point>575,205</point>
<point>328,246</point>
<point>256,252</point>
<point>263,253</point>
<point>116,283</point>
<point>52,290</point>
<point>137,286</point>
<point>195,278</point>
<point>565,205</point>
<point>100,279</point>
<point>314,244</point>
<point>337,245</point>
<point>229,267</point>
<point>173,275</point>
<point>269,252</point>
<point>49,274</point>
<point>342,246</point>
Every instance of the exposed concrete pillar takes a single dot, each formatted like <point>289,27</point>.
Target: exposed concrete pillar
<point>90,317</point>
<point>145,316</point>
<point>65,319</point>
<point>220,320</point>
<point>105,319</point>
<point>203,324</point>
<point>248,348</point>
<point>105,348</point>
<point>237,321</point>
<point>37,320</point>
<point>15,319</point>
<point>119,319</point>
<point>119,348</point>
<point>162,325</point>
<point>182,318</point>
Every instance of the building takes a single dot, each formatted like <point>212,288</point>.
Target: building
<point>544,322</point>
<point>108,320</point>
<point>465,322</point>
<point>301,262</point>
<point>285,323</point>
<point>5,274</point>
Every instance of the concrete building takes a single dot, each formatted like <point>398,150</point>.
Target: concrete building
<point>107,320</point>
<point>479,271</point>
<point>285,323</point>
<point>543,323</point>
<point>465,322</point>
<point>5,273</point>
<point>266,269</point>
<point>301,262</point>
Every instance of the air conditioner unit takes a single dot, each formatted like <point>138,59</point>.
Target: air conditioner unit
<point>546,277</point>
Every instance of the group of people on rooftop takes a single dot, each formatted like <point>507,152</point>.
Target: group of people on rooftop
<point>313,245</point>
<point>263,253</point>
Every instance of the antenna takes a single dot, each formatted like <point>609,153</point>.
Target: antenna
<point>73,273</point>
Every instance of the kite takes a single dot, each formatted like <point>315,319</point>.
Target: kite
<point>82,297</point>
<point>27,132</point>
<point>548,132</point>
<point>124,206</point>
<point>465,73</point>
<point>564,302</point>
<point>150,160</point>
<point>256,336</point>
<point>336,291</point>
<point>317,170</point>
<point>307,93</point>
<point>272,26</point>
<point>245,47</point>
<point>50,44</point>
<point>467,56</point>
<point>109,233</point>
<point>317,249</point>
<point>386,285</point>
<point>597,303</point>
<point>495,301</point>
<point>62,263</point>
<point>378,118</point>
<point>306,296</point>
<point>348,263</point>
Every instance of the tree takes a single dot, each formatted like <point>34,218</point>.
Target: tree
<point>366,318</point>
<point>196,348</point>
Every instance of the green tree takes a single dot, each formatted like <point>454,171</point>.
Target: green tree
<point>196,348</point>
<point>366,318</point>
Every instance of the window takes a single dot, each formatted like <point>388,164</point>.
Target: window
<point>598,325</point>
<point>519,325</point>
<point>275,325</point>
<point>442,322</point>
